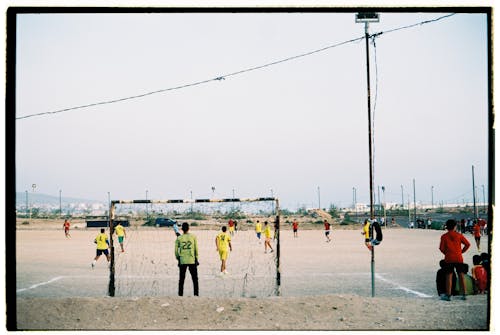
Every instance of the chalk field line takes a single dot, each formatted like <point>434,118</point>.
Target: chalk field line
<point>378,276</point>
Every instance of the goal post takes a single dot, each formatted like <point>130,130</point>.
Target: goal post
<point>112,211</point>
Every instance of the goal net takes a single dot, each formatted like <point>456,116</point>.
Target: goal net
<point>148,266</point>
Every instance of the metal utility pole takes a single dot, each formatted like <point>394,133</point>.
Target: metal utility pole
<point>366,17</point>
<point>474,193</point>
<point>384,205</point>
<point>319,199</point>
<point>402,198</point>
<point>432,197</point>
<point>484,199</point>
<point>379,203</point>
<point>60,204</point>
<point>27,206</point>
<point>33,186</point>
<point>147,213</point>
<point>414,205</point>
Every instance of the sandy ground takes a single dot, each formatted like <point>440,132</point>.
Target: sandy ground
<point>324,286</point>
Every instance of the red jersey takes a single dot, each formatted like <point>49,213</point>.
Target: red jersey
<point>476,230</point>
<point>451,246</point>
<point>327,226</point>
<point>230,223</point>
<point>66,225</point>
<point>295,225</point>
<point>481,277</point>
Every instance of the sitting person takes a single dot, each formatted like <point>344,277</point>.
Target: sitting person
<point>441,280</point>
<point>479,275</point>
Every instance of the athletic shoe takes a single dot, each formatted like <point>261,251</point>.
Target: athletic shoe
<point>92,264</point>
<point>463,297</point>
<point>271,250</point>
<point>445,297</point>
<point>225,272</point>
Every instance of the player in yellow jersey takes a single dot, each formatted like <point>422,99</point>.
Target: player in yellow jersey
<point>186,252</point>
<point>366,233</point>
<point>258,229</point>
<point>223,242</point>
<point>121,233</point>
<point>267,234</point>
<point>102,247</point>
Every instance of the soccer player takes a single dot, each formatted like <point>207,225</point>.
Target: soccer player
<point>121,233</point>
<point>223,242</point>
<point>102,247</point>
<point>186,253</point>
<point>476,231</point>
<point>267,234</point>
<point>258,229</point>
<point>66,225</point>
<point>366,233</point>
<point>176,229</point>
<point>327,230</point>
<point>451,246</point>
<point>295,227</point>
<point>231,227</point>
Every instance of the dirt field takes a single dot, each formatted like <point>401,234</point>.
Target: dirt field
<point>324,286</point>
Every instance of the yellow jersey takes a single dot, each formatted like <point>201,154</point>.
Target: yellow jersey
<point>119,230</point>
<point>366,230</point>
<point>223,240</point>
<point>258,227</point>
<point>267,231</point>
<point>186,249</point>
<point>102,241</point>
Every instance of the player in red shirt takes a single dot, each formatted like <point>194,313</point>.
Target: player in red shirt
<point>451,247</point>
<point>476,231</point>
<point>327,230</point>
<point>295,227</point>
<point>66,228</point>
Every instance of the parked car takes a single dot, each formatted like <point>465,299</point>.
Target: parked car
<point>164,222</point>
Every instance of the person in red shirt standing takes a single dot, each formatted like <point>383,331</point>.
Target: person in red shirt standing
<point>66,228</point>
<point>451,247</point>
<point>295,227</point>
<point>476,230</point>
<point>327,230</point>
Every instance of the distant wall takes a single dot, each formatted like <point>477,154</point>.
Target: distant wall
<point>105,223</point>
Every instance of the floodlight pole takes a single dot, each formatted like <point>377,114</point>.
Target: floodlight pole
<point>366,18</point>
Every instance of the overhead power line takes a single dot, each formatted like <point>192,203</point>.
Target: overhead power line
<point>223,77</point>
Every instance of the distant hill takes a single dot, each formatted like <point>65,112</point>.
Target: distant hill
<point>48,199</point>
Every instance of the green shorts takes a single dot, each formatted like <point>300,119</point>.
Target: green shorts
<point>120,239</point>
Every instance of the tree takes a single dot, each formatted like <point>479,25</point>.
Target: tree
<point>333,211</point>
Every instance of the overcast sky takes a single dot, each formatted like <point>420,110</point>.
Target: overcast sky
<point>288,128</point>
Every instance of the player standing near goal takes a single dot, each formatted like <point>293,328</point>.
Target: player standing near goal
<point>267,234</point>
<point>223,242</point>
<point>186,253</point>
<point>66,225</point>
<point>121,233</point>
<point>102,247</point>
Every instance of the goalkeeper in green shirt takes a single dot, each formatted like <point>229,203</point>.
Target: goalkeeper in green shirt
<point>186,253</point>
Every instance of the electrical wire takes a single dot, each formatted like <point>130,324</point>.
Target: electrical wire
<point>223,77</point>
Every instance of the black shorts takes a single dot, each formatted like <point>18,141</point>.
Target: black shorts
<point>460,267</point>
<point>99,252</point>
<point>295,230</point>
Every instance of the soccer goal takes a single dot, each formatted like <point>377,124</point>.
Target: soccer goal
<point>147,266</point>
